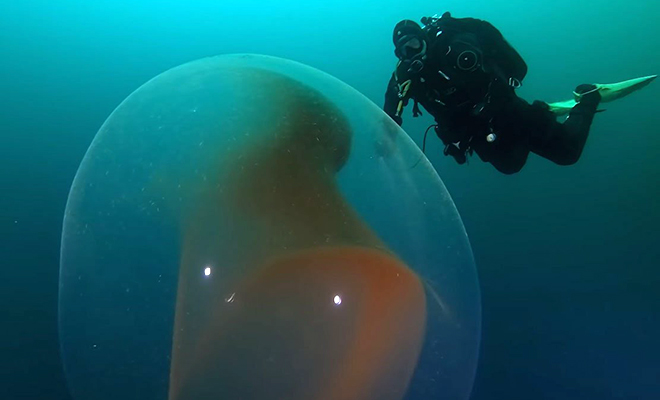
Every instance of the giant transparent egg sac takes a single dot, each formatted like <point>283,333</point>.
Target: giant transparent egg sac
<point>247,227</point>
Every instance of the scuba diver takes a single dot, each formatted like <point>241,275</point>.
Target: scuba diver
<point>464,73</point>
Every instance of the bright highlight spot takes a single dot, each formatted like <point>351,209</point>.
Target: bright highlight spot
<point>337,300</point>
<point>207,271</point>
<point>230,299</point>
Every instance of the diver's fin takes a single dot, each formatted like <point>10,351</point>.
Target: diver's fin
<point>562,107</point>
<point>608,92</point>
<point>614,91</point>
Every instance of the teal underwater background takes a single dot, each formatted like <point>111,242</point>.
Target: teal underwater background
<point>567,257</point>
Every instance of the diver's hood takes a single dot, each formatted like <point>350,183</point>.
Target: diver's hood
<point>405,32</point>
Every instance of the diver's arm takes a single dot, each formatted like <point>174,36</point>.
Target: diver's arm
<point>392,100</point>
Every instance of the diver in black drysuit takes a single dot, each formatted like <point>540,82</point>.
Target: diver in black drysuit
<point>464,73</point>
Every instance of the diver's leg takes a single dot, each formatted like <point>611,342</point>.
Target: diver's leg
<point>563,143</point>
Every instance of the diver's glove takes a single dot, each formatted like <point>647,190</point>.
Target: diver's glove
<point>455,150</point>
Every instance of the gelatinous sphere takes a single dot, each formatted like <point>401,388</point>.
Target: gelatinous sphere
<point>248,227</point>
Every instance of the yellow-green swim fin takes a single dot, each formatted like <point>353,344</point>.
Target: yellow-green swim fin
<point>608,92</point>
<point>562,107</point>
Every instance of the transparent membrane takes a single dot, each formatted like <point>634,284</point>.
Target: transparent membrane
<point>247,227</point>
